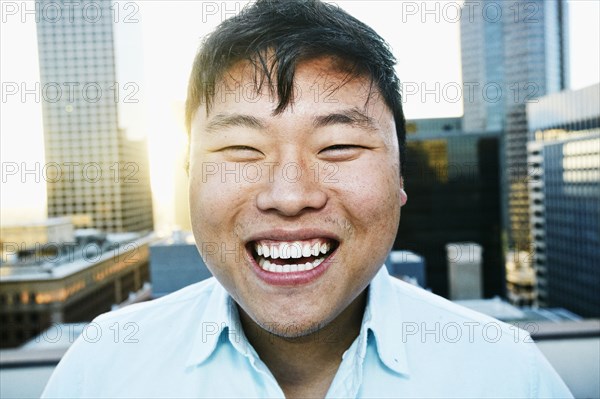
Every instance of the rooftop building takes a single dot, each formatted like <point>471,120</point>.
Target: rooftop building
<point>73,285</point>
<point>31,236</point>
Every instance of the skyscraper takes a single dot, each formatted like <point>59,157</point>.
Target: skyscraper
<point>482,51</point>
<point>564,161</point>
<point>92,166</point>
<point>512,53</point>
<point>536,62</point>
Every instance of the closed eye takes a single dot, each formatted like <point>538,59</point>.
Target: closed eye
<point>242,153</point>
<point>342,152</point>
<point>341,147</point>
<point>240,148</point>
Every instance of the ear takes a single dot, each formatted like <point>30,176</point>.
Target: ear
<point>403,195</point>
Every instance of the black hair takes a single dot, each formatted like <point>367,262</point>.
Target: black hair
<point>276,35</point>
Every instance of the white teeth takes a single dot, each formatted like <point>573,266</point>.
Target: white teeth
<point>284,251</point>
<point>291,250</point>
<point>296,250</point>
<point>306,252</point>
<point>287,268</point>
<point>315,249</point>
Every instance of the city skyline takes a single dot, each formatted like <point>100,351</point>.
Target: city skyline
<point>95,215</point>
<point>441,40</point>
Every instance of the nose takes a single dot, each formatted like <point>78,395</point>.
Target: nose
<point>291,190</point>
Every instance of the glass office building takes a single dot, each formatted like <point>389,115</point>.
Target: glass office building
<point>564,162</point>
<point>453,186</point>
<point>512,52</point>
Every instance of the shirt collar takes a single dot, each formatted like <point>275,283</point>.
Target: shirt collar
<point>221,314</point>
<point>382,304</point>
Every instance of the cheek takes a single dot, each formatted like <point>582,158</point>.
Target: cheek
<point>210,201</point>
<point>213,209</point>
<point>217,204</point>
<point>371,192</point>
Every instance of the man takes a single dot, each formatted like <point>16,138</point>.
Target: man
<point>296,151</point>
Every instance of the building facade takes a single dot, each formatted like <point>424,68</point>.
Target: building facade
<point>564,189</point>
<point>93,167</point>
<point>453,186</point>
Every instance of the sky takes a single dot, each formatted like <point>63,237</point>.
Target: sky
<point>160,39</point>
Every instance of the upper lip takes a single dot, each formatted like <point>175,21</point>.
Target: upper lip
<point>293,235</point>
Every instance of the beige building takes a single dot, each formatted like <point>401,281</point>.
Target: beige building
<point>32,298</point>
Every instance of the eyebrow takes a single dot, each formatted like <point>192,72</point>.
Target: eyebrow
<point>224,121</point>
<point>352,117</point>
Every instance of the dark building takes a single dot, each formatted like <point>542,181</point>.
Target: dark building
<point>453,185</point>
<point>564,160</point>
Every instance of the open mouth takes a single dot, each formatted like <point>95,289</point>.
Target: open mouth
<point>292,256</point>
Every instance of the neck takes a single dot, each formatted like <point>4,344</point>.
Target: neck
<point>307,364</point>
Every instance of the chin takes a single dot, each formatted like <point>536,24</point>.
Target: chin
<point>292,330</point>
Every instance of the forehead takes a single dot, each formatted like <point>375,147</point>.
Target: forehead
<point>322,82</point>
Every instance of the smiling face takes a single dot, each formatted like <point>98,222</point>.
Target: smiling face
<point>295,213</point>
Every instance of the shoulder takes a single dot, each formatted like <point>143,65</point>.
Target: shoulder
<point>416,305</point>
<point>131,338</point>
<point>148,323</point>
<point>441,335</point>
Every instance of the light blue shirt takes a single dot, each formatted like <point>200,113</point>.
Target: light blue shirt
<point>411,344</point>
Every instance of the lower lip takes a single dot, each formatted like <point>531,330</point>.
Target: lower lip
<point>291,278</point>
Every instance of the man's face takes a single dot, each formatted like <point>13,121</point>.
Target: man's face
<point>295,213</point>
